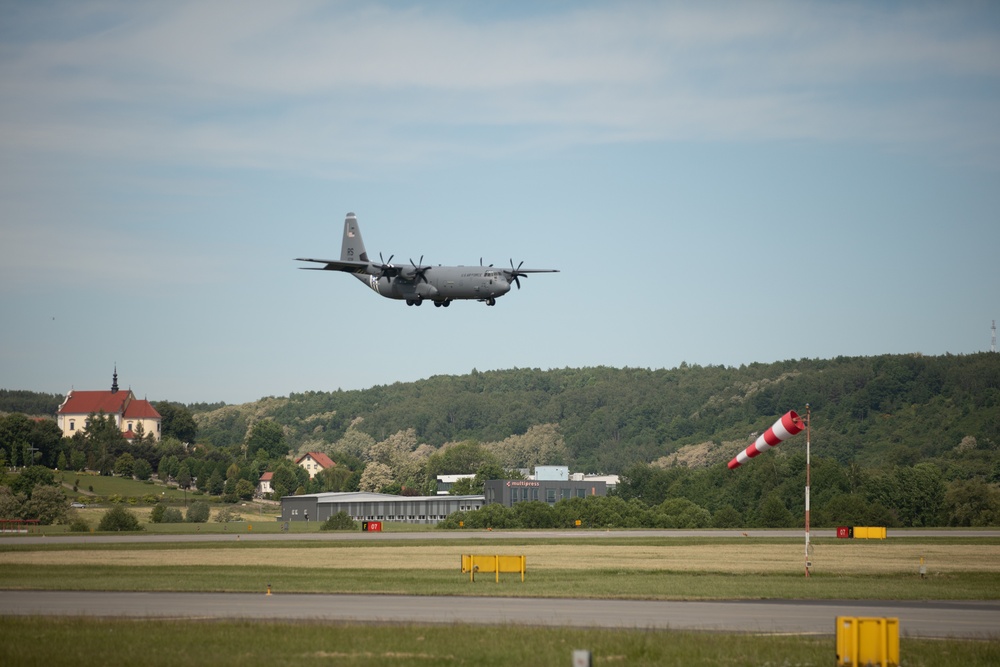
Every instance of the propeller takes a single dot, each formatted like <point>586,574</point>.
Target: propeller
<point>481,262</point>
<point>386,269</point>
<point>419,271</point>
<point>513,274</point>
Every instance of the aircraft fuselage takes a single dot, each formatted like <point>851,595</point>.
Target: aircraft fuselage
<point>442,283</point>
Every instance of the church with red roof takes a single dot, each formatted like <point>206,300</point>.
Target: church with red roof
<point>131,414</point>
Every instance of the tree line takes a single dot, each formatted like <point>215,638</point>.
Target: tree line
<point>898,440</point>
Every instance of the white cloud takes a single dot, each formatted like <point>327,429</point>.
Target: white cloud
<point>311,87</point>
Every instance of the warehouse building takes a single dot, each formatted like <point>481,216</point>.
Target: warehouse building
<point>362,506</point>
<point>509,492</point>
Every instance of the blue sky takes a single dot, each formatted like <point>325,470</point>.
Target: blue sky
<point>718,183</point>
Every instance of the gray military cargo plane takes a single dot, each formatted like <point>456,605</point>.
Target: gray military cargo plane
<point>419,282</point>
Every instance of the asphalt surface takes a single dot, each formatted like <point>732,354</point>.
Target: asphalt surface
<point>916,619</point>
<point>444,535</point>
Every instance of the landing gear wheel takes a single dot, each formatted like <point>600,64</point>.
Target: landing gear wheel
<point>491,301</point>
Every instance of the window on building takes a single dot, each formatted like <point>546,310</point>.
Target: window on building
<point>564,493</point>
<point>581,493</point>
<point>72,425</point>
<point>550,495</point>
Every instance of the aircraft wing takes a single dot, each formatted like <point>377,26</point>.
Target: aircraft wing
<point>532,270</point>
<point>335,265</point>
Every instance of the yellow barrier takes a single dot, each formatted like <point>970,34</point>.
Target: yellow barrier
<point>477,563</point>
<point>869,532</point>
<point>867,641</point>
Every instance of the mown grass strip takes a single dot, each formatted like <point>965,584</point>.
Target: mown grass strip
<point>621,584</point>
<point>86,642</point>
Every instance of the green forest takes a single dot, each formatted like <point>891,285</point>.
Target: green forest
<point>897,440</point>
<point>874,411</point>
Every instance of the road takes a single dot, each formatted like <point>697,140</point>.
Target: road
<point>916,619</point>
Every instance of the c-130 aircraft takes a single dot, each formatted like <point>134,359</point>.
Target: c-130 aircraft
<point>419,282</point>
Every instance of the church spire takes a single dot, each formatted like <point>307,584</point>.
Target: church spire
<point>114,381</point>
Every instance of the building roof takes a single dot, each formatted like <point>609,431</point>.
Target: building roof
<point>141,409</point>
<point>87,402</point>
<point>451,479</point>
<point>320,458</point>
<point>369,497</point>
<point>266,477</point>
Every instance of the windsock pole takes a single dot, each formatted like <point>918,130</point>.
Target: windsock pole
<point>789,424</point>
<point>808,415</point>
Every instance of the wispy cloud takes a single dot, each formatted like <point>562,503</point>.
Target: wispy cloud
<point>310,86</point>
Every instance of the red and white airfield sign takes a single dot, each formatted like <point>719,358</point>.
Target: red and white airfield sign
<point>784,428</point>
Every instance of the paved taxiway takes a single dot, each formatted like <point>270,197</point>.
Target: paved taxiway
<point>445,535</point>
<point>916,618</point>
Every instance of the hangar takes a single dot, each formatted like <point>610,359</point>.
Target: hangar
<point>362,506</point>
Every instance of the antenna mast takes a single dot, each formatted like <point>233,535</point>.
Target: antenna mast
<point>993,345</point>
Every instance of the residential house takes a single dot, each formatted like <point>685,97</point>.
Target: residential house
<point>314,462</point>
<point>264,485</point>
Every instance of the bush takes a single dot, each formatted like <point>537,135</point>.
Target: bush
<point>339,521</point>
<point>227,514</point>
<point>198,512</point>
<point>172,515</point>
<point>78,525</point>
<point>156,516</point>
<point>119,519</point>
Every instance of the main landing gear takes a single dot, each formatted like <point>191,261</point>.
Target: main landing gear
<point>414,302</point>
<point>445,303</point>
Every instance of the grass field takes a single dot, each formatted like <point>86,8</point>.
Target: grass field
<point>605,567</point>
<point>96,643</point>
<point>641,568</point>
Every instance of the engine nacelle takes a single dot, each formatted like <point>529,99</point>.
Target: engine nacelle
<point>426,290</point>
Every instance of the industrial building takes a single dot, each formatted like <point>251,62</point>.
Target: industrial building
<point>362,506</point>
<point>509,492</point>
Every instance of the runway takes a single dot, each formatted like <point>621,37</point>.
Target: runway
<point>916,618</point>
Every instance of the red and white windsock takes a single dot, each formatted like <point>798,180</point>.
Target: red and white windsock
<point>783,429</point>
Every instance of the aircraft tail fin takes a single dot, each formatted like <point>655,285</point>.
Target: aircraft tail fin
<point>353,248</point>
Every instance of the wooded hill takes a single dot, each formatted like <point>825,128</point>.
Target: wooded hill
<point>878,412</point>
